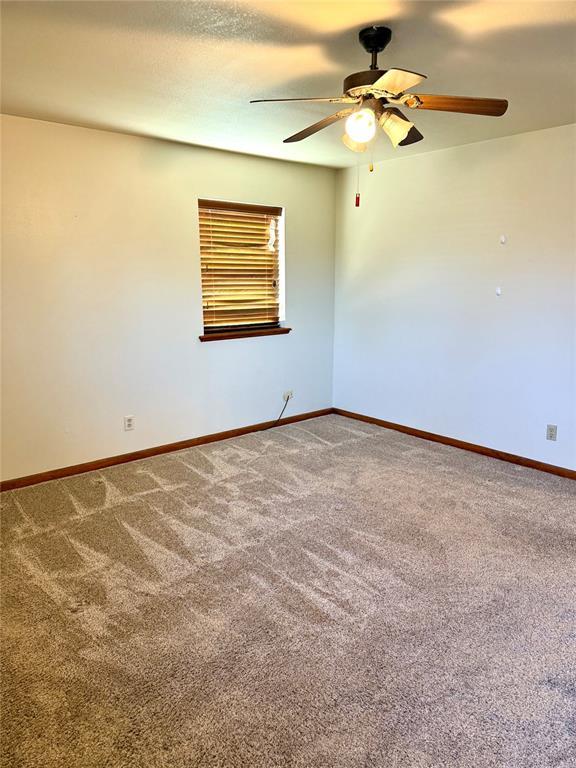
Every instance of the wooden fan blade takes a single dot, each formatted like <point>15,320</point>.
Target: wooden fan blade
<point>318,126</point>
<point>397,81</point>
<point>330,99</point>
<point>471,106</point>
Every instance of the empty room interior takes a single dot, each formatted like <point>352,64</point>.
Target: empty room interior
<point>288,440</point>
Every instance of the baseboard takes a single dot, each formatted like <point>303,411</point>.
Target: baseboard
<point>90,466</point>
<point>491,452</point>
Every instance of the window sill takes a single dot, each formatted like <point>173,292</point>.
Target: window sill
<point>245,334</point>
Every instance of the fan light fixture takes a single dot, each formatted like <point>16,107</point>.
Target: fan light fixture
<point>373,98</point>
<point>395,125</point>
<point>355,146</point>
<point>361,126</point>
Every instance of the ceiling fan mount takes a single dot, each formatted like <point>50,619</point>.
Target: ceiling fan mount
<point>374,40</point>
<point>374,96</point>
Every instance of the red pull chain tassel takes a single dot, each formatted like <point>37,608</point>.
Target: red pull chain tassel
<point>357,199</point>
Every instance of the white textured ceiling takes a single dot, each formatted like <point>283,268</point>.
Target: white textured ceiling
<point>187,70</point>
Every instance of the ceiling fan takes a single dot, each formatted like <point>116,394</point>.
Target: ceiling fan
<point>375,96</point>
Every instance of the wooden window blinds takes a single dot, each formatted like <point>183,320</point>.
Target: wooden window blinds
<point>240,255</point>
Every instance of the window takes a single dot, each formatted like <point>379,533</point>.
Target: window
<point>240,254</point>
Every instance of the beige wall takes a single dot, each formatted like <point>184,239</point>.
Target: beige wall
<point>421,338</point>
<point>102,301</point>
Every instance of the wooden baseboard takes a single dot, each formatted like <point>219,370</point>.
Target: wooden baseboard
<point>491,452</point>
<point>90,466</point>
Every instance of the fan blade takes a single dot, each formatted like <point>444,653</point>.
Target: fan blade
<point>465,104</point>
<point>397,81</point>
<point>329,99</point>
<point>355,146</point>
<point>319,125</point>
<point>414,135</point>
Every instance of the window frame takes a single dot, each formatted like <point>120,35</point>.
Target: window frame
<point>222,333</point>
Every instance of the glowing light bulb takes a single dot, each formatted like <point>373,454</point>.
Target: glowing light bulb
<point>361,125</point>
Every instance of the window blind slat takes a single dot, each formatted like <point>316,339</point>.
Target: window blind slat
<point>239,253</point>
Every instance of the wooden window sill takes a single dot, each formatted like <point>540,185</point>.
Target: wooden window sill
<point>244,334</point>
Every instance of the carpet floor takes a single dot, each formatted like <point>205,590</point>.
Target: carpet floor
<point>328,594</point>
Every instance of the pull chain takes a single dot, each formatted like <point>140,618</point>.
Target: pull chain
<point>357,204</point>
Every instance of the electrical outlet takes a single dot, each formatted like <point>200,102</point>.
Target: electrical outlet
<point>288,395</point>
<point>551,432</point>
<point>129,423</point>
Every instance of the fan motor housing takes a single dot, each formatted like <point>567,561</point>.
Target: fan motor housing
<point>374,39</point>
<point>355,83</point>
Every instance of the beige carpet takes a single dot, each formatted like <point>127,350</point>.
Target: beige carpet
<point>323,594</point>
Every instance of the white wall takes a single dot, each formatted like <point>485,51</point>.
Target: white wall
<point>102,310</point>
<point>421,337</point>
<point>102,299</point>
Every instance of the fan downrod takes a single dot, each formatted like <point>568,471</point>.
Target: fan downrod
<point>374,40</point>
